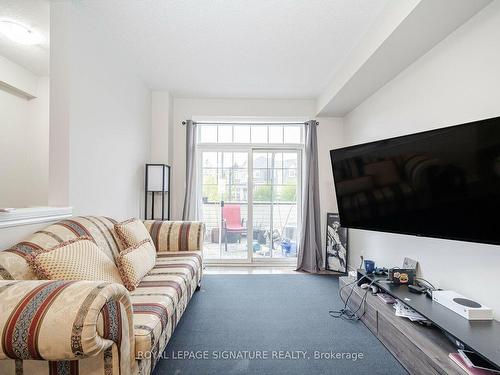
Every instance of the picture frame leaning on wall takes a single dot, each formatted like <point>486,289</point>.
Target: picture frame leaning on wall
<point>336,244</point>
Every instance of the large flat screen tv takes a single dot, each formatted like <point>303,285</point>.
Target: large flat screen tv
<point>443,183</point>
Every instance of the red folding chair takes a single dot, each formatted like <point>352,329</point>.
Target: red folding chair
<point>233,224</point>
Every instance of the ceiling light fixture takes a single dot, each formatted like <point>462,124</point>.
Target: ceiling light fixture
<point>19,33</point>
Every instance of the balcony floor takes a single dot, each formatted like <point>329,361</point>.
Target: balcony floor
<point>239,251</point>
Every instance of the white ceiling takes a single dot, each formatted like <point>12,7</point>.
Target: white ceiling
<point>377,60</point>
<point>236,48</point>
<point>215,48</point>
<point>34,14</point>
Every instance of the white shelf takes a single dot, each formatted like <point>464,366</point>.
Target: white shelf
<point>33,215</point>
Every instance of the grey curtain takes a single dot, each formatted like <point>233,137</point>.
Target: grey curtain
<point>190,209</point>
<point>310,255</point>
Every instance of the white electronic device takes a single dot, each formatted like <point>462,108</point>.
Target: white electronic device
<point>463,306</point>
<point>373,288</point>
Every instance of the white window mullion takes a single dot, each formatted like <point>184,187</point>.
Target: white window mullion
<point>250,206</point>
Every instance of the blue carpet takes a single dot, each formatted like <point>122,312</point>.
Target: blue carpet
<point>243,315</point>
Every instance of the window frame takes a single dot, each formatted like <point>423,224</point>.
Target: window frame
<point>250,148</point>
<point>251,125</point>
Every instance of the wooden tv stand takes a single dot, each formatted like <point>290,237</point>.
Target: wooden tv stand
<point>420,349</point>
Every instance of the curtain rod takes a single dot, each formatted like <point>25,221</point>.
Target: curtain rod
<point>247,123</point>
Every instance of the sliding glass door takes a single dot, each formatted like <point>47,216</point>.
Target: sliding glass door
<point>224,209</point>
<point>249,191</point>
<point>276,176</point>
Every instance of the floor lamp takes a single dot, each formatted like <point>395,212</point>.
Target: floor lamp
<point>157,184</point>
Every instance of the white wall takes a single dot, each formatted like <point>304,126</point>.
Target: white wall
<point>100,119</point>
<point>161,117</point>
<point>456,82</point>
<point>24,138</point>
<point>37,136</point>
<point>330,136</point>
<point>60,62</point>
<point>14,120</point>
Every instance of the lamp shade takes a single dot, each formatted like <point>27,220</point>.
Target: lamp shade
<point>157,178</point>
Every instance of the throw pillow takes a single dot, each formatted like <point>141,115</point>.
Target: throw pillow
<point>76,259</point>
<point>135,262</point>
<point>132,232</point>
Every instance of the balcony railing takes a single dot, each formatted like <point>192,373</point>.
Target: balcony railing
<point>284,214</point>
<point>280,238</point>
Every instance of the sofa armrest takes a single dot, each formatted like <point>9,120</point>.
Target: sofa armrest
<point>65,320</point>
<point>176,235</point>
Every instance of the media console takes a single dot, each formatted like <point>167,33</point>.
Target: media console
<point>422,350</point>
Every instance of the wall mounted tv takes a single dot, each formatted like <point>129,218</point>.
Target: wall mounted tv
<point>443,183</point>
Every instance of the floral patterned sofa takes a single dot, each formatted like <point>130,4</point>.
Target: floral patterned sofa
<point>95,327</point>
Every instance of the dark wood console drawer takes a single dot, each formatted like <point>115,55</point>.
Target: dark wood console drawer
<point>422,350</point>
<point>407,352</point>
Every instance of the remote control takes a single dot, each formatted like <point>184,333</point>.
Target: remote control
<point>386,298</point>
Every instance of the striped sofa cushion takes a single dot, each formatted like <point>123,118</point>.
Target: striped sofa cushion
<point>160,299</point>
<point>176,235</point>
